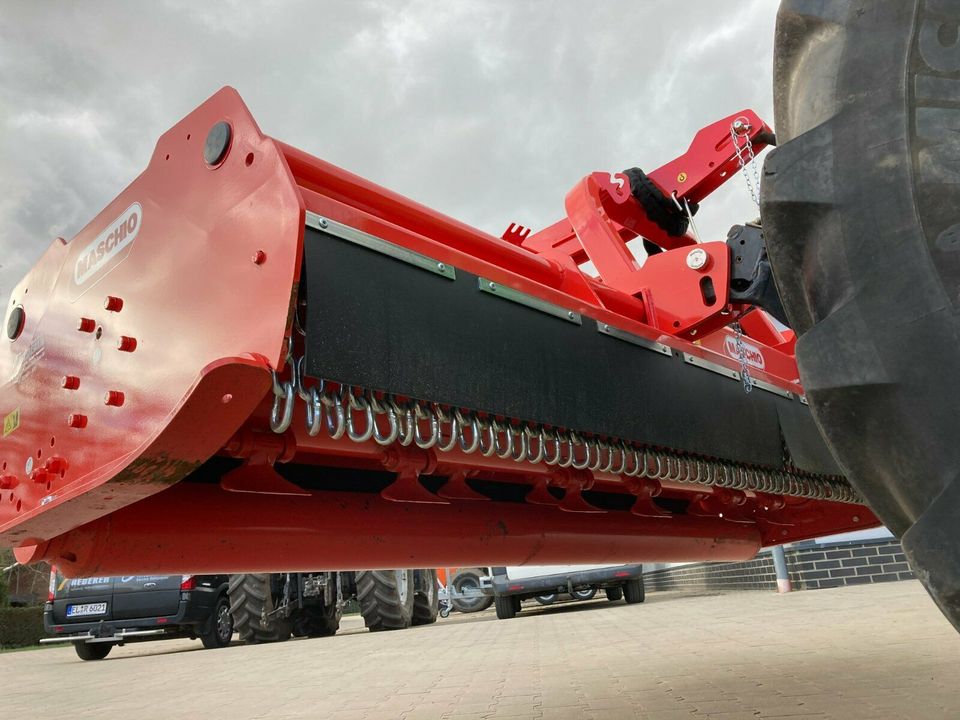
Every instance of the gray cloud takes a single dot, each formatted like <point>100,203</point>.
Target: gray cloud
<point>489,112</point>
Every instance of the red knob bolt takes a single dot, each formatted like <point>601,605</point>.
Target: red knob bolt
<point>126,344</point>
<point>40,476</point>
<point>70,382</point>
<point>259,257</point>
<point>87,325</point>
<point>113,304</point>
<point>76,420</point>
<point>113,397</point>
<point>56,465</point>
<point>8,481</point>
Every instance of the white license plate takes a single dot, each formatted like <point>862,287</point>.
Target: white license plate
<point>86,609</point>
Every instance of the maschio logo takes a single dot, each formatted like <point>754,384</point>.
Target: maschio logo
<point>119,234</point>
<point>752,355</point>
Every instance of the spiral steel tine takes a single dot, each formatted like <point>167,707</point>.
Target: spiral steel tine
<point>631,472</point>
<point>609,466</point>
<point>508,440</point>
<point>598,446</point>
<point>521,441</point>
<point>371,425</point>
<point>474,433</point>
<point>486,432</point>
<point>298,364</point>
<point>427,443</point>
<point>280,421</point>
<point>394,426</point>
<point>555,460</point>
<point>568,461</point>
<point>314,413</point>
<point>335,430</point>
<point>531,434</point>
<point>577,440</point>
<point>645,466</point>
<point>454,424</point>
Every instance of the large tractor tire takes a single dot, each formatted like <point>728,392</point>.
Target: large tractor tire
<point>467,581</point>
<point>426,600</point>
<point>860,213</point>
<point>252,605</point>
<point>386,598</point>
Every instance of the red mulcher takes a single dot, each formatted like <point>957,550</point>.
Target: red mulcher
<point>254,360</point>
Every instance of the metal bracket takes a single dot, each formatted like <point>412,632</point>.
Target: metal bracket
<point>508,293</point>
<point>643,342</point>
<point>711,366</point>
<point>371,242</point>
<point>771,388</point>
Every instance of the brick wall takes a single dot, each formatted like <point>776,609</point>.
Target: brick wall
<point>811,567</point>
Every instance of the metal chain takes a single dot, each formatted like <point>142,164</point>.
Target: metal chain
<point>745,377</point>
<point>745,156</point>
<point>359,415</point>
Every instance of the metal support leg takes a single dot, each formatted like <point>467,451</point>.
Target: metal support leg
<point>780,565</point>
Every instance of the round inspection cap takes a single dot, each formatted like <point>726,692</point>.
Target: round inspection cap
<point>217,144</point>
<point>15,322</point>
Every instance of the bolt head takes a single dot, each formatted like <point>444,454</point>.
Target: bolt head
<point>16,322</point>
<point>493,286</point>
<point>259,257</point>
<point>217,143</point>
<point>697,259</point>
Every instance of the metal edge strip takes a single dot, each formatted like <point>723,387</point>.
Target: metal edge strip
<point>521,298</point>
<point>771,388</point>
<point>711,366</point>
<point>384,247</point>
<point>615,332</point>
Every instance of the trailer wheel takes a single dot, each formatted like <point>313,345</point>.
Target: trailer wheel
<point>614,593</point>
<point>859,214</point>
<point>252,605</point>
<point>386,598</point>
<point>468,581</point>
<point>218,630</point>
<point>426,601</point>
<point>585,594</point>
<point>548,599</point>
<point>92,651</point>
<point>633,591</point>
<point>507,606</point>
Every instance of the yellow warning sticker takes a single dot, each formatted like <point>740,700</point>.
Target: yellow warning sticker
<point>11,422</point>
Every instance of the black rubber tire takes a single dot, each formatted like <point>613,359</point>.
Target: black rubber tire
<point>316,620</point>
<point>547,599</point>
<point>633,591</point>
<point>426,600</point>
<point>250,598</point>
<point>584,595</point>
<point>507,606</point>
<point>386,598</point>
<point>469,579</point>
<point>218,629</point>
<point>614,594</point>
<point>92,651</point>
<point>859,208</point>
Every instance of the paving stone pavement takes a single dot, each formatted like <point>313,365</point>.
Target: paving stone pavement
<point>879,652</point>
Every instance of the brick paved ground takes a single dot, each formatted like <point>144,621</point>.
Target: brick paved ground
<point>859,652</point>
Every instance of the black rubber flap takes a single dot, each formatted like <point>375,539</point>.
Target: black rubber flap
<point>380,323</point>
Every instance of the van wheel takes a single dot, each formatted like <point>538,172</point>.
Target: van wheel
<point>218,629</point>
<point>252,608</point>
<point>92,651</point>
<point>633,591</point>
<point>507,606</point>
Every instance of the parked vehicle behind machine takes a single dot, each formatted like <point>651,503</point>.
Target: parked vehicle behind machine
<point>98,613</point>
<point>544,583</point>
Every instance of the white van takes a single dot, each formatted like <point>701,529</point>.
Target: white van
<point>513,585</point>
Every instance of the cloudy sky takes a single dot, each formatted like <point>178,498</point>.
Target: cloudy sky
<point>488,111</point>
